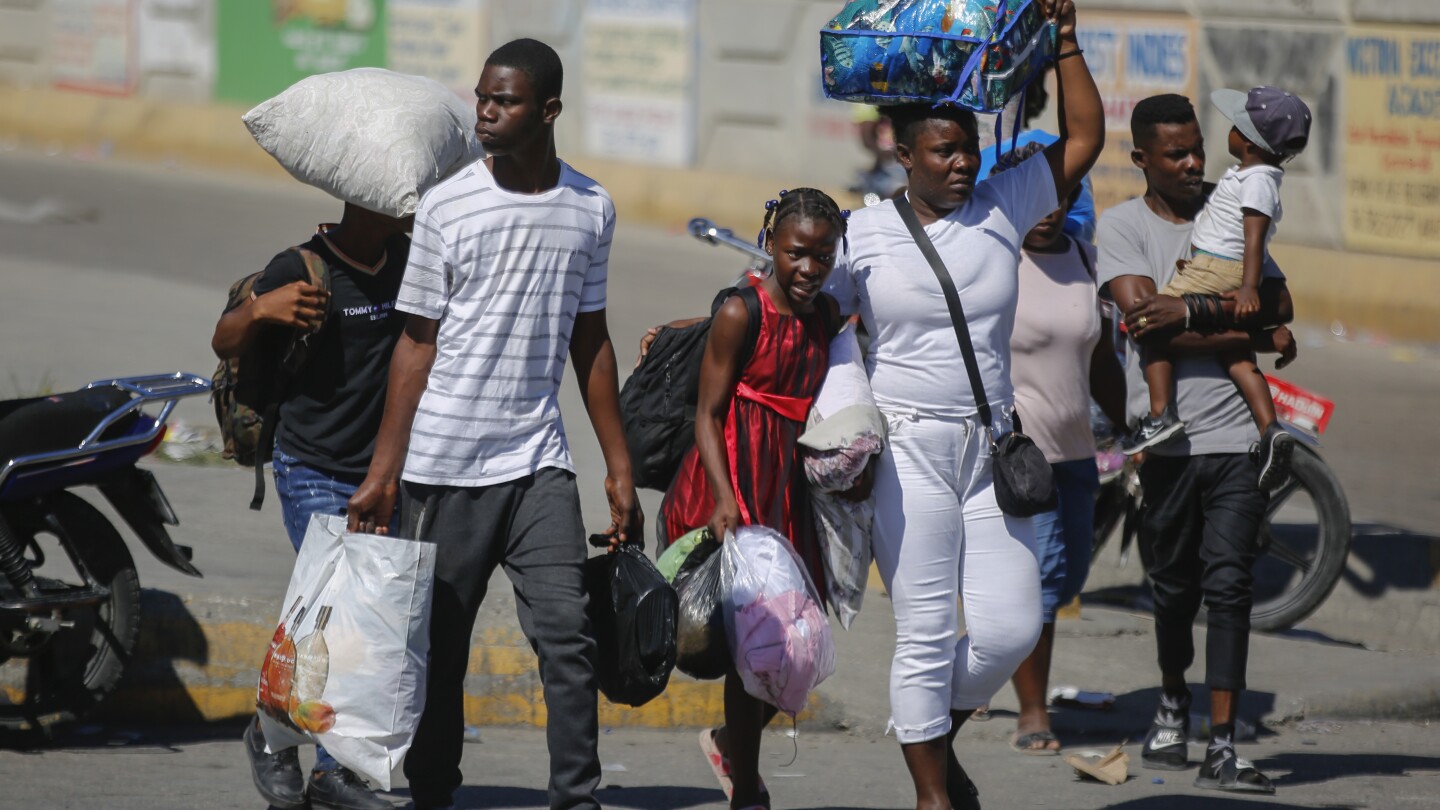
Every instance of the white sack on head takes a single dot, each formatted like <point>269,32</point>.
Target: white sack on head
<point>368,136</point>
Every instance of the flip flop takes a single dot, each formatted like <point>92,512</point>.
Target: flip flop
<point>980,715</point>
<point>1035,744</point>
<point>720,765</point>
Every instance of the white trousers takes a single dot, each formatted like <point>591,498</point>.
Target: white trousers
<point>939,535</point>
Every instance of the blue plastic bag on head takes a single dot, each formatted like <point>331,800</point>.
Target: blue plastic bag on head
<point>977,54</point>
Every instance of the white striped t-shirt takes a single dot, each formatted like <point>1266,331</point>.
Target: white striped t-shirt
<point>505,274</point>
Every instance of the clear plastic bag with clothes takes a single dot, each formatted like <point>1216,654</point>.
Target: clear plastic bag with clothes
<point>844,433</point>
<point>779,636</point>
<point>845,428</point>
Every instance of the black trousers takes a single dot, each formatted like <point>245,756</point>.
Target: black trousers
<point>1199,538</point>
<point>532,528</point>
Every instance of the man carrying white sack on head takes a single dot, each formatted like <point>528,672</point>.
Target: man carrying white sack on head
<point>327,131</point>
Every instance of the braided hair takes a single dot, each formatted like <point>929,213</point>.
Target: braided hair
<point>807,203</point>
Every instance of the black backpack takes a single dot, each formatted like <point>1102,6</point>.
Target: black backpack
<point>657,403</point>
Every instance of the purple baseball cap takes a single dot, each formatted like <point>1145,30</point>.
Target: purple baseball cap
<point>1274,120</point>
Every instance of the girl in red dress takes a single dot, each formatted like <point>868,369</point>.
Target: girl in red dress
<point>745,466</point>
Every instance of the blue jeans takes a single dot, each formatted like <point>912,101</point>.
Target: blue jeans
<point>1066,534</point>
<point>305,491</point>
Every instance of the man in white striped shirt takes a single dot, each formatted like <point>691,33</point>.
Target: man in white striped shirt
<point>507,274</point>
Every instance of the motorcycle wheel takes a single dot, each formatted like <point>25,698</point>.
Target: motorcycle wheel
<point>69,673</point>
<point>1304,542</point>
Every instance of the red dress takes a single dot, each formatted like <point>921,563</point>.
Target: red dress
<point>767,416</point>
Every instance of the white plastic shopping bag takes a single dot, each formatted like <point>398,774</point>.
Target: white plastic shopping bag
<point>778,635</point>
<point>346,666</point>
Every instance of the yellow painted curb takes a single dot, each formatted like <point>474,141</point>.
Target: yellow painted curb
<point>177,685</point>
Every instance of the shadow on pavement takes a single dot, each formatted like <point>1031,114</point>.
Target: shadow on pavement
<point>125,737</point>
<point>632,798</point>
<point>1133,711</point>
<point>1208,802</point>
<point>152,687</point>
<point>1396,559</point>
<point>1306,768</point>
<point>1125,597</point>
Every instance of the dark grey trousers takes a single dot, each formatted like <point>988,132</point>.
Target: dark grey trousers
<point>532,528</point>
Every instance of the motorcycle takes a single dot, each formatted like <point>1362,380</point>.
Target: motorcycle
<point>1305,536</point>
<point>74,616</point>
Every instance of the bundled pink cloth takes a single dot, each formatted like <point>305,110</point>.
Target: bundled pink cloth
<point>778,634</point>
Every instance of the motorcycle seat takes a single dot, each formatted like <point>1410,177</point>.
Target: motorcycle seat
<point>60,422</point>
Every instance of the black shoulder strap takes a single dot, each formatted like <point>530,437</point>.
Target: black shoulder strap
<point>827,317</point>
<point>952,300</point>
<point>750,294</point>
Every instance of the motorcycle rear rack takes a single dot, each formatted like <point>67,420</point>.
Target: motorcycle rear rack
<point>761,264</point>
<point>145,390</point>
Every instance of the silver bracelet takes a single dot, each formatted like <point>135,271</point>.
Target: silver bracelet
<point>1186,301</point>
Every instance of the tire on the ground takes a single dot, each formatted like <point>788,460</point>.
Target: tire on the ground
<point>79,666</point>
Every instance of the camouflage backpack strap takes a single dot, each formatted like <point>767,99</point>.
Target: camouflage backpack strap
<point>317,272</point>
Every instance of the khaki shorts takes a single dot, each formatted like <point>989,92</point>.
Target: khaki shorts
<point>1206,273</point>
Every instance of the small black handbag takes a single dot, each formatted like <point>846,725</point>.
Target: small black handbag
<point>1024,482</point>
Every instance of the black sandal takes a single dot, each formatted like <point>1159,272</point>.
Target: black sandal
<point>1223,770</point>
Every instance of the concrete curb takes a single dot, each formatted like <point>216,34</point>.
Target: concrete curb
<point>1390,296</point>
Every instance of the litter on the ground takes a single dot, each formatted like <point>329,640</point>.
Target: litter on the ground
<point>1076,698</point>
<point>1112,768</point>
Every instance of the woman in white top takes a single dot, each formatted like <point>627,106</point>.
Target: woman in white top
<point>938,531</point>
<point>1063,357</point>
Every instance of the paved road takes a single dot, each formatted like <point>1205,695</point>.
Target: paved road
<point>1315,765</point>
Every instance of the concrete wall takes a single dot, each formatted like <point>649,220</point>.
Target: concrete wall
<point>730,86</point>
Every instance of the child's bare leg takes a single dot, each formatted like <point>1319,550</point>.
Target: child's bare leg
<point>1159,378</point>
<point>1162,424</point>
<point>745,720</point>
<point>1253,387</point>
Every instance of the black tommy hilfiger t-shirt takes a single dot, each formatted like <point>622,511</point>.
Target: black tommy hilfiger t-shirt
<point>332,413</point>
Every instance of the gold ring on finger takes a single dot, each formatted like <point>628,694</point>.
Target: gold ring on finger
<point>1144,321</point>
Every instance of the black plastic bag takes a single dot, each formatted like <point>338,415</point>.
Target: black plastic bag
<point>702,648</point>
<point>634,613</point>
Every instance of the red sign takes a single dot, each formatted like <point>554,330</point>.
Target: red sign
<point>1303,409</point>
